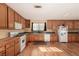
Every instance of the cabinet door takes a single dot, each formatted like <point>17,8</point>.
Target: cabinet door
<point>69,23</point>
<point>77,37</point>
<point>49,24</point>
<point>40,37</point>
<point>53,37</point>
<point>76,24</point>
<point>23,22</point>
<point>17,48</point>
<point>3,16</point>
<point>72,37</point>
<point>17,18</point>
<point>10,18</point>
<point>27,23</point>
<point>2,51</point>
<point>10,51</point>
<point>10,47</point>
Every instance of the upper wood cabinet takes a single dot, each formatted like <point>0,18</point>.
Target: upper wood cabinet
<point>11,18</point>
<point>17,17</point>
<point>27,23</point>
<point>23,22</point>
<point>69,23</point>
<point>76,24</point>
<point>3,16</point>
<point>53,24</point>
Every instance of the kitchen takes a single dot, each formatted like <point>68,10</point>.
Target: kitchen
<point>18,33</point>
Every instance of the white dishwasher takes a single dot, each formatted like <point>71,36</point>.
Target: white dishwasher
<point>47,37</point>
<point>22,42</point>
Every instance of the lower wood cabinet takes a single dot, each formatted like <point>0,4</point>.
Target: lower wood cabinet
<point>17,46</point>
<point>10,51</point>
<point>12,46</point>
<point>53,37</point>
<point>2,50</point>
<point>77,37</point>
<point>72,37</point>
<point>36,37</point>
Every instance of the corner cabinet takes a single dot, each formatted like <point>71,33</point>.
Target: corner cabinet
<point>3,16</point>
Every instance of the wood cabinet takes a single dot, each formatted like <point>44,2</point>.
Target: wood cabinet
<point>8,17</point>
<point>10,48</point>
<point>36,37</point>
<point>76,24</point>
<point>32,37</point>
<point>27,23</point>
<point>77,37</point>
<point>69,23</point>
<point>11,18</point>
<point>17,46</point>
<point>24,25</point>
<point>23,22</point>
<point>72,37</point>
<point>53,24</point>
<point>17,17</point>
<point>3,16</point>
<point>2,49</point>
<point>54,37</point>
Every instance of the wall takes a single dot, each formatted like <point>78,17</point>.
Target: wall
<point>3,34</point>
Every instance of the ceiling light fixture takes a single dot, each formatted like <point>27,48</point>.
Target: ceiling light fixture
<point>38,6</point>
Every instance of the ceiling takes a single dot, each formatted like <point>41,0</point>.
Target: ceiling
<point>48,10</point>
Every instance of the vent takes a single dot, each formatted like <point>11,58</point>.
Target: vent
<point>38,6</point>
